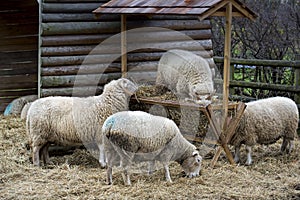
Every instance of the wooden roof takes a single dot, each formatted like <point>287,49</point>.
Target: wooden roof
<point>201,8</point>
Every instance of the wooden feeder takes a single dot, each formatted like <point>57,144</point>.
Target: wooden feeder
<point>202,9</point>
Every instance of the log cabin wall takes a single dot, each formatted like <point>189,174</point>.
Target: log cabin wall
<point>18,49</point>
<point>70,33</point>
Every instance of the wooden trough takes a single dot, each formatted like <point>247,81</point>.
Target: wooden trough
<point>208,117</point>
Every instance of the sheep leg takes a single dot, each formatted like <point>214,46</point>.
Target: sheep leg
<point>167,173</point>
<point>237,154</point>
<point>284,145</point>
<point>109,175</point>
<point>36,155</point>
<point>290,147</point>
<point>102,156</point>
<point>151,167</point>
<point>249,158</point>
<point>45,154</point>
<point>126,176</point>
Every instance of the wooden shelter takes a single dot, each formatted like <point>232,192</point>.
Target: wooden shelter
<point>202,9</point>
<point>74,51</point>
<point>19,22</point>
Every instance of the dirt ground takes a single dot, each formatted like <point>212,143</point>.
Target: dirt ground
<point>79,176</point>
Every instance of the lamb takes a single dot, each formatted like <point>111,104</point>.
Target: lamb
<point>74,120</point>
<point>16,106</point>
<point>186,74</point>
<point>136,136</point>
<point>264,122</point>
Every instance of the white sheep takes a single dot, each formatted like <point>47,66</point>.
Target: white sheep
<point>25,110</point>
<point>73,120</point>
<point>136,136</point>
<point>264,122</point>
<point>16,106</point>
<point>186,74</point>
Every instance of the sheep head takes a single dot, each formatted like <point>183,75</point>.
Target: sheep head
<point>128,86</point>
<point>192,165</point>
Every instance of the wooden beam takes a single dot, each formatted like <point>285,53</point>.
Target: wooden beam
<point>242,10</point>
<point>211,11</point>
<point>123,46</point>
<point>227,56</point>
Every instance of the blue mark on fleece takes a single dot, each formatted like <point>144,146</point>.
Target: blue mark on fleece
<point>8,109</point>
<point>110,122</point>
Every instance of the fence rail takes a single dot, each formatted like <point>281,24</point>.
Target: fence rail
<point>294,87</point>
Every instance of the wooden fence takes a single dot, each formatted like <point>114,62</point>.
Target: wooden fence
<point>292,66</point>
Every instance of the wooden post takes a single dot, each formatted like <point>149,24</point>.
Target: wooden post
<point>297,80</point>
<point>123,46</point>
<point>227,56</point>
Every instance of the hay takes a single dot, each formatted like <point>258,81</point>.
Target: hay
<point>79,176</point>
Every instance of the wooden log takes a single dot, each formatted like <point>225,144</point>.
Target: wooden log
<point>114,48</point>
<point>12,40</point>
<point>65,28</point>
<point>77,17</point>
<point>110,27</point>
<point>61,40</point>
<point>80,69</point>
<point>18,69</point>
<point>83,91</point>
<point>142,77</point>
<point>78,80</point>
<point>77,60</point>
<point>97,68</point>
<point>75,1</point>
<point>70,7</point>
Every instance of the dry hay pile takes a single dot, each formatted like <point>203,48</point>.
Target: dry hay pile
<point>189,121</point>
<point>79,176</point>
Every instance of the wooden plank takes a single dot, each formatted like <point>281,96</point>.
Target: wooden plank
<point>18,92</point>
<point>19,30</point>
<point>21,40</point>
<point>18,85</point>
<point>15,57</point>
<point>7,80</point>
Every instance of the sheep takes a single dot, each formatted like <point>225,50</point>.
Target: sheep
<point>264,122</point>
<point>74,120</point>
<point>16,106</point>
<point>25,110</point>
<point>186,74</point>
<point>136,136</point>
